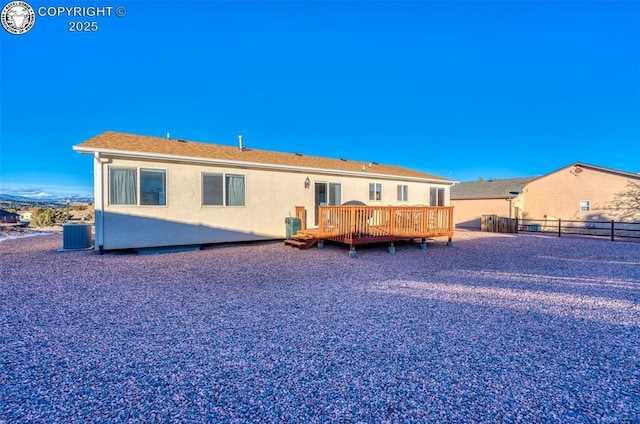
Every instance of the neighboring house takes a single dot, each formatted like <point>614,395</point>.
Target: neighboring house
<point>8,217</point>
<point>501,197</point>
<point>576,192</point>
<point>26,216</point>
<point>154,191</point>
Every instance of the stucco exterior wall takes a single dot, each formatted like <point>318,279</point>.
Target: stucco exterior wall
<point>558,194</point>
<point>270,197</point>
<point>468,212</point>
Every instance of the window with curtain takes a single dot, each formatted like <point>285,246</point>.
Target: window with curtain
<point>153,187</point>
<point>122,186</point>
<point>234,190</point>
<point>436,196</point>
<point>403,193</point>
<point>375,191</point>
<point>212,190</point>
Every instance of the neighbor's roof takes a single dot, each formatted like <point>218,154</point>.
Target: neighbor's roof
<point>7,213</point>
<point>489,189</point>
<point>575,165</point>
<point>116,143</point>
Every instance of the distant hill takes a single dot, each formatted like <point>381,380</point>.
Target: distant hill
<point>22,202</point>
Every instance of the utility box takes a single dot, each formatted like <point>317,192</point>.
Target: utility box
<point>293,226</point>
<point>76,236</point>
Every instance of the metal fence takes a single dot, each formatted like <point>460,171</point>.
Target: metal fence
<point>610,229</point>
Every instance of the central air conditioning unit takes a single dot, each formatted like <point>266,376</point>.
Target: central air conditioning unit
<point>76,236</point>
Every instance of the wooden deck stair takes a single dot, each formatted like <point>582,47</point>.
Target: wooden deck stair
<point>304,239</point>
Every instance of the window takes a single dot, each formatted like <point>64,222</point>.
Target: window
<point>234,190</point>
<point>436,196</point>
<point>123,186</point>
<point>403,193</point>
<point>153,187</point>
<point>335,193</point>
<point>375,191</point>
<point>585,206</point>
<point>212,190</point>
<point>220,189</point>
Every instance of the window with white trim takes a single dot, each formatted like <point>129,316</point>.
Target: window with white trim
<point>375,191</point>
<point>585,206</point>
<point>223,189</point>
<point>403,193</point>
<point>153,187</point>
<point>124,190</point>
<point>436,196</point>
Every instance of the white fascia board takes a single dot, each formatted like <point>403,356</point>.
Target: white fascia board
<point>255,165</point>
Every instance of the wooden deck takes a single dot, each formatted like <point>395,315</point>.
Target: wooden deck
<point>354,225</point>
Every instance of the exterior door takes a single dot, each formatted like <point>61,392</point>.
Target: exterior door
<point>326,194</point>
<point>320,199</point>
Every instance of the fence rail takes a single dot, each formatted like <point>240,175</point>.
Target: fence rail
<point>368,223</point>
<point>610,229</point>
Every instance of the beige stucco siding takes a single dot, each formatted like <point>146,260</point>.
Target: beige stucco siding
<point>271,196</point>
<point>467,212</point>
<point>558,195</point>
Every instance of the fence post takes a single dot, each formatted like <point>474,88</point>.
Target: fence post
<point>559,227</point>
<point>612,229</point>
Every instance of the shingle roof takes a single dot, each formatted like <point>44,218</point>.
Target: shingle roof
<point>7,213</point>
<point>489,189</point>
<point>122,142</point>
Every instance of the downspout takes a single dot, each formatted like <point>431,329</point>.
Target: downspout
<point>100,205</point>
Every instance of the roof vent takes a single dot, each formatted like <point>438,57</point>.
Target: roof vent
<point>298,154</point>
<point>181,140</point>
<point>343,159</point>
<point>168,136</point>
<point>240,146</point>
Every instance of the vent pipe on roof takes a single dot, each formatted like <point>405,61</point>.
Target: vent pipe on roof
<point>168,136</point>
<point>240,146</point>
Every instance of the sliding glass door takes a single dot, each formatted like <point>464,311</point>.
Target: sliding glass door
<point>326,194</point>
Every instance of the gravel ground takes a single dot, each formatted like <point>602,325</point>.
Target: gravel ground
<point>498,328</point>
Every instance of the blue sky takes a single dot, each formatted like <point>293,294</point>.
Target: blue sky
<point>460,89</point>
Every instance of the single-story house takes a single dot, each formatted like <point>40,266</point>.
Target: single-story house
<point>26,216</point>
<point>575,192</point>
<point>502,197</point>
<point>7,217</point>
<point>156,191</point>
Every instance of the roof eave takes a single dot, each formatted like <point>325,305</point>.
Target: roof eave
<point>254,165</point>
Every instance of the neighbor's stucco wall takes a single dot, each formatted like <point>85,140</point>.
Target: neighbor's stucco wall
<point>558,194</point>
<point>468,212</point>
<point>271,196</point>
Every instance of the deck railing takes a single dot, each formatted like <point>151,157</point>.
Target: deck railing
<point>343,223</point>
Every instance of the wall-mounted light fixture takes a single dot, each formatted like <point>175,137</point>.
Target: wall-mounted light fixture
<point>307,183</point>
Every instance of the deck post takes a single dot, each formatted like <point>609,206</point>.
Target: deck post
<point>392,248</point>
<point>352,252</point>
<point>423,245</point>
